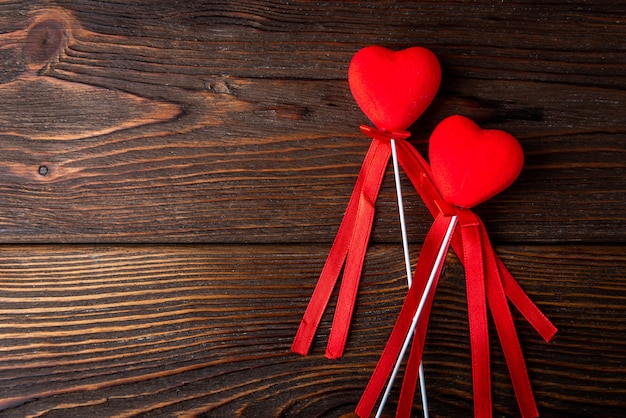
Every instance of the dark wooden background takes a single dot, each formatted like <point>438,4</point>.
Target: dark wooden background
<point>172,174</point>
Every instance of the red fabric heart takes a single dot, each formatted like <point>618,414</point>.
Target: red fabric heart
<point>471,165</point>
<point>394,88</point>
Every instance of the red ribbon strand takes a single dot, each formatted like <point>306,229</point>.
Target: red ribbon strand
<point>476,312</point>
<point>349,246</point>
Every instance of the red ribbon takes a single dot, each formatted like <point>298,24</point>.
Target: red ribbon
<point>349,246</point>
<point>418,172</point>
<point>488,283</point>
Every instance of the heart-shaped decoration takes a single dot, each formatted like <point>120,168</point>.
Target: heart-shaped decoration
<point>393,88</point>
<point>471,165</point>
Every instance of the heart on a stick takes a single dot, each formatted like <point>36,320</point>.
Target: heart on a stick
<point>393,88</point>
<point>471,165</point>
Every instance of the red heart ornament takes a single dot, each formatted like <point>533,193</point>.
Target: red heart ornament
<point>394,88</point>
<point>471,165</point>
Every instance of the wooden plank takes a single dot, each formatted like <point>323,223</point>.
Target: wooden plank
<point>234,122</point>
<point>228,123</point>
<point>121,330</point>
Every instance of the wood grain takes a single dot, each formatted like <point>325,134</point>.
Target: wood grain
<point>201,121</point>
<point>127,330</point>
<point>172,175</point>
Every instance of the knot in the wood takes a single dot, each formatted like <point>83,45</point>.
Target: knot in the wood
<point>218,86</point>
<point>45,40</point>
<point>43,170</point>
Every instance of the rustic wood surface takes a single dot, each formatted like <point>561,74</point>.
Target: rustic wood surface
<point>172,175</point>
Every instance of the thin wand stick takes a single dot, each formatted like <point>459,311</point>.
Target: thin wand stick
<point>418,313</point>
<point>431,279</point>
<point>409,279</point>
<point>427,289</point>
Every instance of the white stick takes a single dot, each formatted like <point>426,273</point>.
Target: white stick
<point>409,278</point>
<point>405,240</point>
<point>431,279</point>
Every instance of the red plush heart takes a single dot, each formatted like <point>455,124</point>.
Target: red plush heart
<point>469,164</point>
<point>394,88</point>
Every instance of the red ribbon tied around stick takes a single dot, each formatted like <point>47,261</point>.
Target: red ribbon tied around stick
<point>469,165</point>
